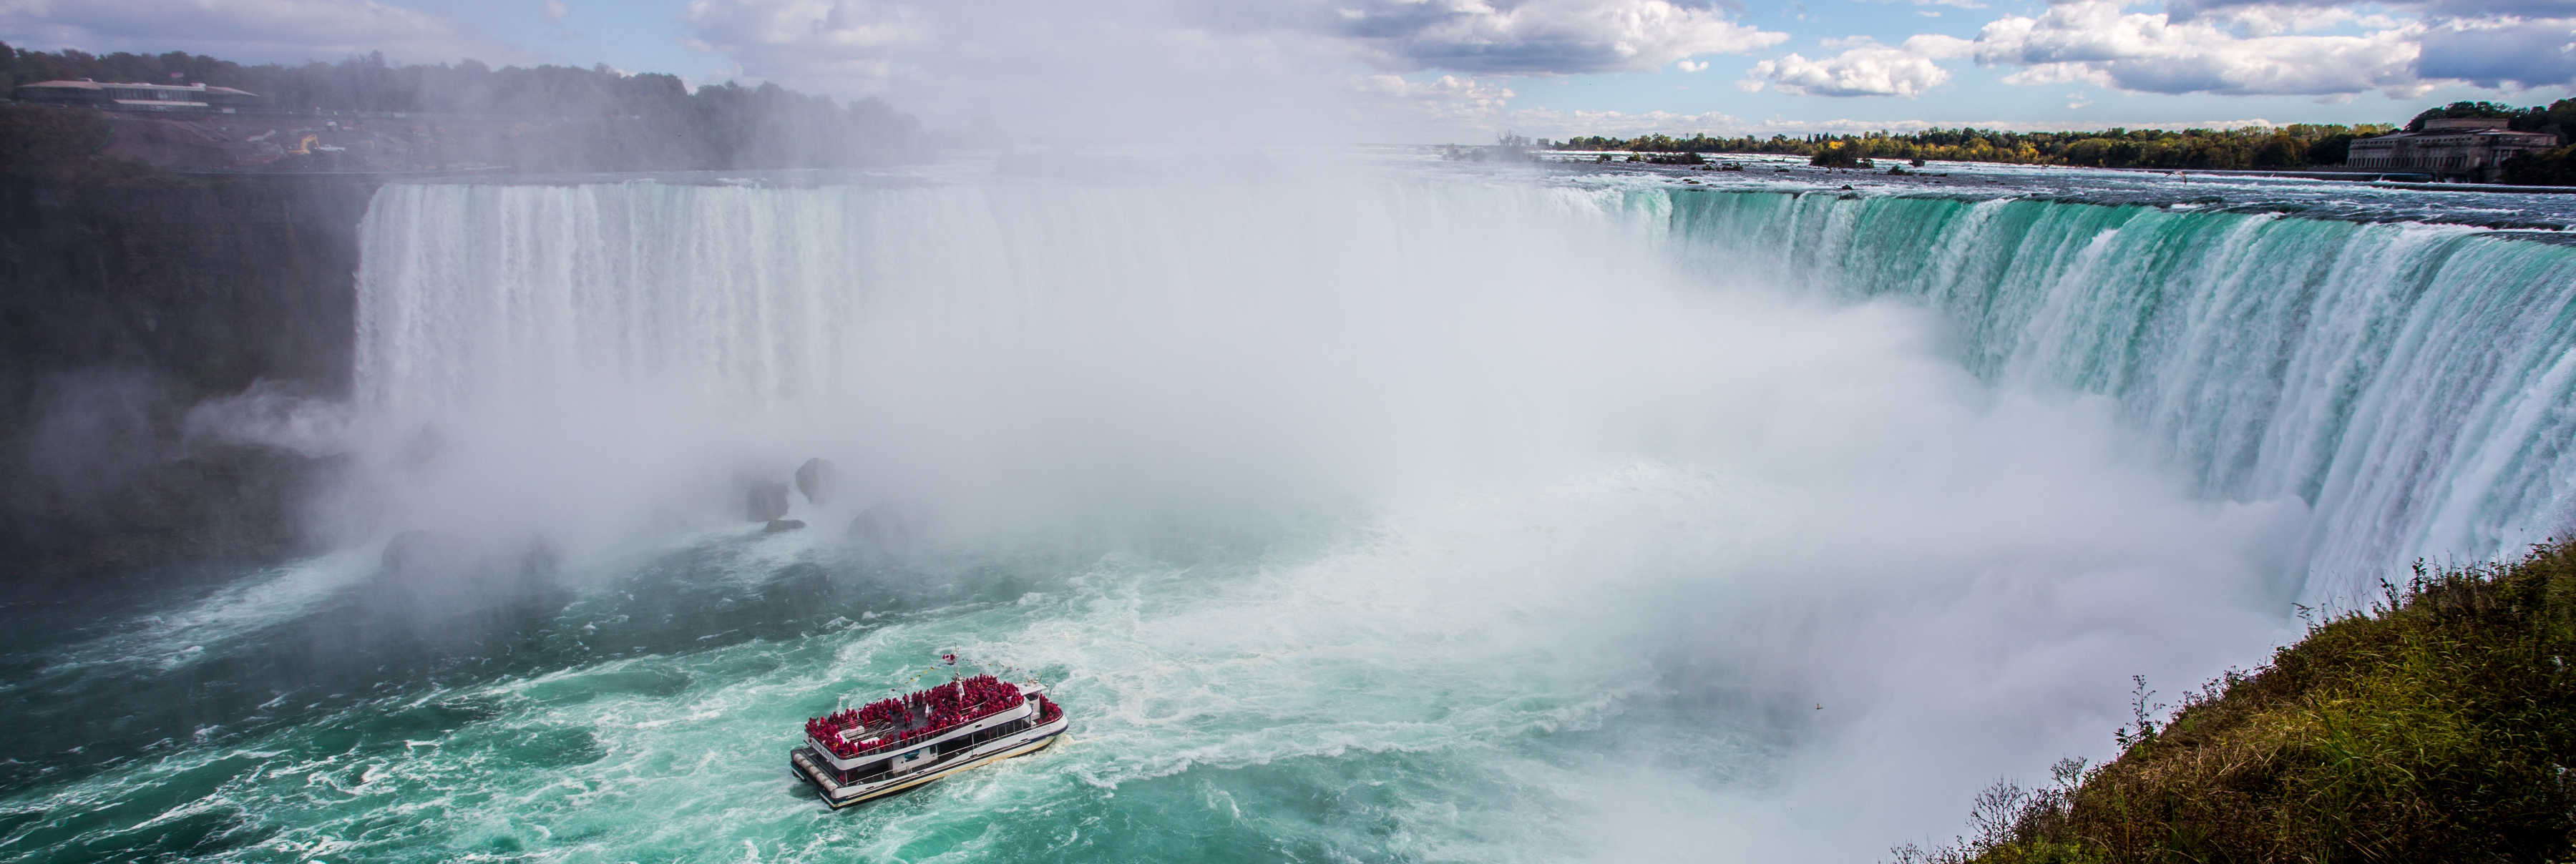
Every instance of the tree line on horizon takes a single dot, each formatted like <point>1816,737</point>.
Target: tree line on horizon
<point>2299,145</point>
<point>2294,146</point>
<point>601,119</point>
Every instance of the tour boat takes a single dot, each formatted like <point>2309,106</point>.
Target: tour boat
<point>895,744</point>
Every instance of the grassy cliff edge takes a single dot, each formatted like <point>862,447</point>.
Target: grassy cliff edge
<point>2436,726</point>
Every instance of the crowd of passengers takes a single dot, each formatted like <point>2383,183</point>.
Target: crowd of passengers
<point>921,715</point>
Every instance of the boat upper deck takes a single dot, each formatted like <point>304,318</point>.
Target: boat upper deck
<point>890,724</point>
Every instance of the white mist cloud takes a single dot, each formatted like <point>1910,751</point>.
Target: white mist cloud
<point>1618,496</point>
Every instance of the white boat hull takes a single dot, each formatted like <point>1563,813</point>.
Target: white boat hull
<point>811,770</point>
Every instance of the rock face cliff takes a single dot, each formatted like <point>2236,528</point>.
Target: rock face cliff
<point>122,304</point>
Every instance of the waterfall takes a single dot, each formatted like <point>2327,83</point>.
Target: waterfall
<point>2414,384</point>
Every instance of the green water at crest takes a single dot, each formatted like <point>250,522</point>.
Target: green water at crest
<point>1591,664</point>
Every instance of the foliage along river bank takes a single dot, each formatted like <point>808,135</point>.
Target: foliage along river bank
<point>2438,725</point>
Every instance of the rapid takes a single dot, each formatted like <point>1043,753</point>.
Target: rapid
<point>1352,513</point>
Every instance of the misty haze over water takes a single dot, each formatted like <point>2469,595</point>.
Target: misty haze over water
<point>1355,504</point>
<point>1408,512</point>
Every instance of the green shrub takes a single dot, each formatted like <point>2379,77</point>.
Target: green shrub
<point>2546,168</point>
<point>40,137</point>
<point>63,144</point>
<point>1835,155</point>
<point>2437,726</point>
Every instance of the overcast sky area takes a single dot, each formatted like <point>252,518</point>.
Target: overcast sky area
<point>1432,70</point>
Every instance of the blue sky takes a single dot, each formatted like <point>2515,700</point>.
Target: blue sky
<point>1453,69</point>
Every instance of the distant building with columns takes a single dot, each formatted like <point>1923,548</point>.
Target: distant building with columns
<point>136,96</point>
<point>2461,148</point>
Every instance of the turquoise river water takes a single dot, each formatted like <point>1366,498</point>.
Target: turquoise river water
<point>1354,514</point>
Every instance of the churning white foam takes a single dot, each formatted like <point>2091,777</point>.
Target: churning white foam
<point>1803,581</point>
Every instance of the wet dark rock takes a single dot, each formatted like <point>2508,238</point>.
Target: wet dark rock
<point>765,500</point>
<point>870,527</point>
<point>448,589</point>
<point>423,447</point>
<point>818,479</point>
<point>193,289</point>
<point>444,587</point>
<point>430,563</point>
<point>415,551</point>
<point>888,528</point>
<point>778,525</point>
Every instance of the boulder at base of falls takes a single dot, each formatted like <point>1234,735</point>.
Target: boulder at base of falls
<point>439,593</point>
<point>777,525</point>
<point>421,551</point>
<point>439,583</point>
<point>872,527</point>
<point>889,529</point>
<point>819,479</point>
<point>451,562</point>
<point>765,500</point>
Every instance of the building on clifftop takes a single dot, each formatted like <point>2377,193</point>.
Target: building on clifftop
<point>2459,148</point>
<point>137,96</point>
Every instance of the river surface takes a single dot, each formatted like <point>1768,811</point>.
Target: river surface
<point>1398,511</point>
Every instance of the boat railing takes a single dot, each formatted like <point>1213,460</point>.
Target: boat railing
<point>1036,719</point>
<point>919,735</point>
<point>902,722</point>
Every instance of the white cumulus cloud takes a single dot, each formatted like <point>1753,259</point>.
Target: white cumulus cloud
<point>1449,95</point>
<point>247,30</point>
<point>1555,123</point>
<point>810,40</point>
<point>1519,36</point>
<point>2100,42</point>
<point>1563,124</point>
<point>2184,10</point>
<point>2522,53</point>
<point>2319,48</point>
<point>1865,68</point>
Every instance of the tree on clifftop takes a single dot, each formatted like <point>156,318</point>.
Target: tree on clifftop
<point>2559,117</point>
